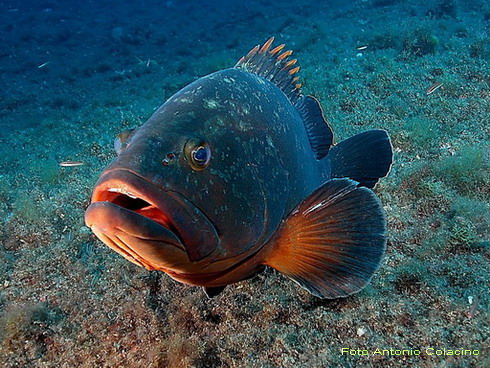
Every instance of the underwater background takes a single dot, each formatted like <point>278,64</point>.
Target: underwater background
<point>74,75</point>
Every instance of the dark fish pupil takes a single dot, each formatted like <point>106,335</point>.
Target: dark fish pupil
<point>201,154</point>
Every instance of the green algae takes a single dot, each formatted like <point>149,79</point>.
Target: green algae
<point>436,201</point>
<point>48,171</point>
<point>419,43</point>
<point>28,322</point>
<point>423,134</point>
<point>467,172</point>
<point>462,233</point>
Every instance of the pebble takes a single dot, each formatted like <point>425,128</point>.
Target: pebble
<point>361,331</point>
<point>85,230</point>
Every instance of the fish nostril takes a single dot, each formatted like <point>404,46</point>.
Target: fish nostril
<point>168,159</point>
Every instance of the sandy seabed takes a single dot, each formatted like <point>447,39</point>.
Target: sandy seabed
<point>73,77</point>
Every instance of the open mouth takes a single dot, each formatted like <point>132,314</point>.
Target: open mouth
<point>130,201</point>
<point>145,223</point>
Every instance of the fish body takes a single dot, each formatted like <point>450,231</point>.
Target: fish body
<point>238,171</point>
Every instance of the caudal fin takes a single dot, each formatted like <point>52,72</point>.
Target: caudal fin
<point>333,242</point>
<point>365,157</point>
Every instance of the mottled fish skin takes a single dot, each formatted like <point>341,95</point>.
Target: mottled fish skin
<point>262,164</point>
<point>264,189</point>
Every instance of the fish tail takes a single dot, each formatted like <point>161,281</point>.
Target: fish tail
<point>333,242</point>
<point>365,157</point>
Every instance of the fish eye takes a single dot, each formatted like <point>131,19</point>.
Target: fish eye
<point>197,153</point>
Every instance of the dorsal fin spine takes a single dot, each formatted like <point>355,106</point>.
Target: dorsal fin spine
<point>290,63</point>
<point>277,49</point>
<point>274,66</point>
<point>266,45</point>
<point>284,55</point>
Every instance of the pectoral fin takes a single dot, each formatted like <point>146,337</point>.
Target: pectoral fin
<point>333,242</point>
<point>211,292</point>
<point>121,140</point>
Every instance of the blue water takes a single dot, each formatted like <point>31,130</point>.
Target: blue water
<point>74,75</point>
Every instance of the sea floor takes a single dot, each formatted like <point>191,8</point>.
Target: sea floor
<point>75,76</point>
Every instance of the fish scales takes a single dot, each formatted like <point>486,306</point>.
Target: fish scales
<point>220,177</point>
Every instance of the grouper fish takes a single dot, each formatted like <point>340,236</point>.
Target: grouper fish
<point>239,171</point>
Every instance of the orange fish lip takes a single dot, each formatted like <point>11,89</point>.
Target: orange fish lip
<point>136,237</point>
<point>154,213</point>
<point>117,189</point>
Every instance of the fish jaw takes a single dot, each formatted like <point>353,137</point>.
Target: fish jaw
<point>137,238</point>
<point>149,226</point>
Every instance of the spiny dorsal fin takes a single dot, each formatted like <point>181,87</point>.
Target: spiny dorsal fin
<point>319,132</point>
<point>273,66</point>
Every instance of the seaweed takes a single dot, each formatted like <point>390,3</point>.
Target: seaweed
<point>467,172</point>
<point>462,234</point>
<point>423,134</point>
<point>48,171</point>
<point>419,43</point>
<point>387,40</point>
<point>479,49</point>
<point>445,8</point>
<point>26,328</point>
<point>409,277</point>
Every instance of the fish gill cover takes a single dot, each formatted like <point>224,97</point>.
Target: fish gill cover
<point>75,76</point>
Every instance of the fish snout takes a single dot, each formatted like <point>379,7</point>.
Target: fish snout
<point>148,225</point>
<point>136,237</point>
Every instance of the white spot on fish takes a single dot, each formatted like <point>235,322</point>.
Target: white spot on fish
<point>245,109</point>
<point>211,104</point>
<point>185,100</point>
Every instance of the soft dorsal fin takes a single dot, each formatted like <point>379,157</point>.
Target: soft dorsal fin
<point>274,66</point>
<point>319,132</point>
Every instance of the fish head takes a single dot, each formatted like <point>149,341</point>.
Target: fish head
<point>198,187</point>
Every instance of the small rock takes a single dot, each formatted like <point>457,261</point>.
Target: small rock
<point>85,230</point>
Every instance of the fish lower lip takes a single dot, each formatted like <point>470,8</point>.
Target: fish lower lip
<point>111,219</point>
<point>165,208</point>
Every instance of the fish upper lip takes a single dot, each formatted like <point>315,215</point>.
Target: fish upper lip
<point>199,239</point>
<point>124,186</point>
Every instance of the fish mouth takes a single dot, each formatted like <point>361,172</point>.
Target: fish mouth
<point>150,226</point>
